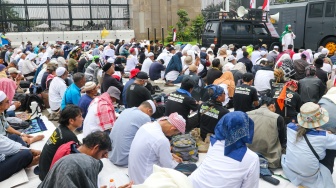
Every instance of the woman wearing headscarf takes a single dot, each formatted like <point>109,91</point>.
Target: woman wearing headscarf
<point>227,78</point>
<point>287,37</point>
<point>229,163</point>
<point>222,57</point>
<point>278,82</point>
<point>174,73</point>
<point>307,143</point>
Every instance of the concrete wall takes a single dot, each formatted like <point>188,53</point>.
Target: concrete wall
<point>72,36</point>
<point>159,14</point>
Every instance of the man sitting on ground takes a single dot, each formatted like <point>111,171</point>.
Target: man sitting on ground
<point>266,122</point>
<point>73,93</point>
<point>131,80</point>
<point>151,146</point>
<point>101,114</point>
<point>70,119</point>
<point>137,93</point>
<point>125,128</point>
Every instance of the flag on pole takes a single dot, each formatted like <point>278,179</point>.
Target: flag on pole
<point>174,35</point>
<point>253,4</point>
<point>265,6</point>
<point>104,33</point>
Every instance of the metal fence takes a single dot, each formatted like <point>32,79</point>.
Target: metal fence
<point>63,15</point>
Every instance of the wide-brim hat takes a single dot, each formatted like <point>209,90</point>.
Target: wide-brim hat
<point>312,116</point>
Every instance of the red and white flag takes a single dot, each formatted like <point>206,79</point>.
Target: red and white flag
<point>252,3</point>
<point>265,6</point>
<point>174,35</point>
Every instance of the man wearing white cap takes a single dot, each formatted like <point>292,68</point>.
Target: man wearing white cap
<point>91,90</point>
<point>125,128</point>
<point>56,91</point>
<point>151,146</point>
<point>263,55</point>
<point>26,66</point>
<point>147,63</point>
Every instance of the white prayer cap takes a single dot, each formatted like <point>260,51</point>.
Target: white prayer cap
<point>152,105</point>
<point>89,56</point>
<point>150,54</point>
<point>2,96</point>
<point>243,47</point>
<point>203,49</point>
<point>60,71</point>
<point>212,45</point>
<point>110,60</point>
<point>276,47</point>
<point>325,51</point>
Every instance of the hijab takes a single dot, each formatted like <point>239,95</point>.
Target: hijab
<point>228,79</point>
<point>237,130</point>
<point>285,32</point>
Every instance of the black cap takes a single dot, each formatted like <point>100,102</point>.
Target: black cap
<point>107,66</point>
<point>142,75</point>
<point>247,77</point>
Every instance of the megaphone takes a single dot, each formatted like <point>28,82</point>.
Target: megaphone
<point>275,17</point>
<point>241,11</point>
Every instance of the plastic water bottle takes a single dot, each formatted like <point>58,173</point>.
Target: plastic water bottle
<point>162,98</point>
<point>112,184</point>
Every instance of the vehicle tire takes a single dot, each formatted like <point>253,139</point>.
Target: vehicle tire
<point>330,44</point>
<point>275,44</point>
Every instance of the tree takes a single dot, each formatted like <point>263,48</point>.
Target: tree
<point>197,26</point>
<point>183,32</point>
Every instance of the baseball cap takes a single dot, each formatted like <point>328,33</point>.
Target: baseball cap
<point>231,57</point>
<point>133,73</point>
<point>114,92</point>
<point>13,70</point>
<point>89,86</point>
<point>142,75</point>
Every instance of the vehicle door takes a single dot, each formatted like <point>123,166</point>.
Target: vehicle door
<point>244,34</point>
<point>261,34</point>
<point>210,33</point>
<point>314,25</point>
<point>329,20</point>
<point>228,33</point>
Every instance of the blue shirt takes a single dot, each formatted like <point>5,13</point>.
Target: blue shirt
<point>71,96</point>
<point>131,81</point>
<point>84,103</point>
<point>155,70</point>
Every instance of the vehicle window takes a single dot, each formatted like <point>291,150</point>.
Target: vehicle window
<point>330,9</point>
<point>260,30</point>
<point>228,28</point>
<point>243,29</point>
<point>211,27</point>
<point>316,10</point>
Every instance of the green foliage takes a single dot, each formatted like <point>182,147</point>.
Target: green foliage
<point>197,26</point>
<point>183,20</point>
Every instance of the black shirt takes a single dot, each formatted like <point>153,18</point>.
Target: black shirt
<point>248,63</point>
<point>292,103</point>
<point>237,75</point>
<point>60,136</point>
<point>142,57</point>
<point>136,94</point>
<point>44,81</point>
<point>108,81</point>
<point>3,54</point>
<point>81,65</point>
<point>322,75</point>
<point>181,103</point>
<point>212,75</point>
<point>209,114</point>
<point>244,97</point>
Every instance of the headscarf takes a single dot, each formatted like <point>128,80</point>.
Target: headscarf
<point>8,86</point>
<point>285,32</point>
<point>214,91</point>
<point>81,171</point>
<point>282,97</point>
<point>175,63</point>
<point>282,58</point>
<point>240,67</point>
<point>228,79</point>
<point>278,75</point>
<point>237,129</point>
<point>165,177</point>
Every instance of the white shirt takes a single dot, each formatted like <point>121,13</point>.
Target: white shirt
<point>26,66</point>
<point>150,146</point>
<point>296,56</point>
<point>218,170</point>
<point>50,51</point>
<point>262,80</point>
<point>287,40</point>
<point>56,92</point>
<point>326,67</point>
<point>239,54</point>
<point>40,75</point>
<point>172,75</point>
<point>146,64</point>
<point>255,56</point>
<point>91,121</point>
<point>131,63</point>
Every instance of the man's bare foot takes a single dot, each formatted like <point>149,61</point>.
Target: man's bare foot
<point>34,162</point>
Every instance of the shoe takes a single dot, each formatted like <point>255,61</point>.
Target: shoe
<point>157,89</point>
<point>204,146</point>
<point>51,116</point>
<point>56,117</point>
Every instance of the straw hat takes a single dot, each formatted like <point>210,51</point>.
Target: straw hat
<point>312,116</point>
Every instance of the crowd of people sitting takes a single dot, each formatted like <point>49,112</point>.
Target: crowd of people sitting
<point>280,103</point>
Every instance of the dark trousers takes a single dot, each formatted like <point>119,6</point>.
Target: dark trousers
<point>329,159</point>
<point>17,138</point>
<point>15,163</point>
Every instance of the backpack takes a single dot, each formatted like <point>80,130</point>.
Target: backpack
<point>185,147</point>
<point>288,68</point>
<point>29,99</point>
